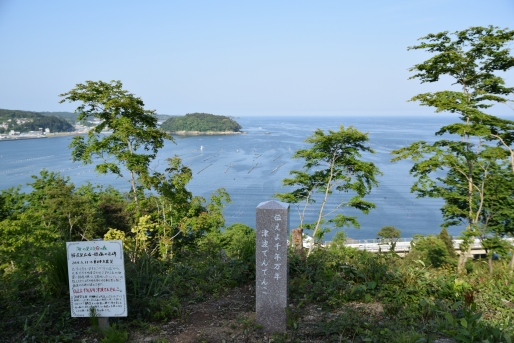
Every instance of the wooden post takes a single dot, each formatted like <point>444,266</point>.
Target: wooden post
<point>103,322</point>
<point>297,238</point>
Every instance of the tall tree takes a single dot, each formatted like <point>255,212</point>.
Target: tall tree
<point>472,58</point>
<point>134,139</point>
<point>332,163</point>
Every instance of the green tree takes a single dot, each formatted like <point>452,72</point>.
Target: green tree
<point>472,59</point>
<point>112,209</point>
<point>332,163</point>
<point>134,139</point>
<point>54,204</point>
<point>12,203</point>
<point>448,241</point>
<point>182,218</point>
<point>389,235</point>
<point>34,226</point>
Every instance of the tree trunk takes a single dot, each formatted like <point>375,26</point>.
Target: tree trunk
<point>462,261</point>
<point>133,178</point>
<point>511,263</point>
<point>463,257</point>
<point>320,215</point>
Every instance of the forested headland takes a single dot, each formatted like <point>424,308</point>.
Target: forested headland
<point>23,121</point>
<point>201,122</point>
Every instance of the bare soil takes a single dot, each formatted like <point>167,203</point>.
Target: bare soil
<point>231,318</point>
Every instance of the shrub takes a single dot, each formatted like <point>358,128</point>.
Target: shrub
<point>448,241</point>
<point>431,250</point>
<point>238,240</point>
<point>57,272</point>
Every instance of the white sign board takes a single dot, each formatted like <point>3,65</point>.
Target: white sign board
<point>97,278</point>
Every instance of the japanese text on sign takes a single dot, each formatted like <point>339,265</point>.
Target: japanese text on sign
<point>271,263</point>
<point>97,278</point>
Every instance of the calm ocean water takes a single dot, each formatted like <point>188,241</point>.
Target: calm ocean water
<point>250,167</point>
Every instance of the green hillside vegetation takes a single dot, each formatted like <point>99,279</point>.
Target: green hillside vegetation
<point>23,121</point>
<point>202,122</point>
<point>70,117</point>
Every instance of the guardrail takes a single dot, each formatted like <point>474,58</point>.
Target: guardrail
<point>404,244</point>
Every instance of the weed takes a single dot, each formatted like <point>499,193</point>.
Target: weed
<point>115,335</point>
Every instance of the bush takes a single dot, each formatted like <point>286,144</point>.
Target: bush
<point>238,240</point>
<point>431,250</point>
<point>448,241</point>
<point>57,272</point>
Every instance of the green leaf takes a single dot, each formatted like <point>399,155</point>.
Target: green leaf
<point>464,322</point>
<point>367,298</point>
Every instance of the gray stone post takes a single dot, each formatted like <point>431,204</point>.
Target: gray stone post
<point>272,219</point>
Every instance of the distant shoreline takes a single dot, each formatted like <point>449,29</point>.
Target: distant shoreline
<point>21,138</point>
<point>201,133</point>
<point>177,133</point>
<point>49,135</point>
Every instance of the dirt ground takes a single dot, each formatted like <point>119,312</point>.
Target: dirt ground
<point>231,318</point>
<point>227,318</point>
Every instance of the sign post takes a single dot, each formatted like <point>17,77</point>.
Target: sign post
<point>271,265</point>
<point>96,273</point>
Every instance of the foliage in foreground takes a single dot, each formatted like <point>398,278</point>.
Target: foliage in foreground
<point>35,306</point>
<point>359,296</point>
<point>478,180</point>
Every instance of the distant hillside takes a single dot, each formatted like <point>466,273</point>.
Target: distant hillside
<point>23,121</point>
<point>201,122</point>
<point>70,117</point>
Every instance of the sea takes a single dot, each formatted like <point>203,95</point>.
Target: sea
<point>251,167</point>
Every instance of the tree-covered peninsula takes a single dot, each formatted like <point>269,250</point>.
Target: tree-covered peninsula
<point>23,121</point>
<point>201,122</point>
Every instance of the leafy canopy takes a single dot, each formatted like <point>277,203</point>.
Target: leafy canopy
<point>389,233</point>
<point>134,139</point>
<point>202,122</point>
<point>473,58</point>
<point>332,163</point>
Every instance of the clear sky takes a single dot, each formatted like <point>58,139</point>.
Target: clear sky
<point>235,58</point>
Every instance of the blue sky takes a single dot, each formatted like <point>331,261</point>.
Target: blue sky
<point>232,57</point>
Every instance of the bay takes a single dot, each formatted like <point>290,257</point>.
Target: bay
<point>251,166</point>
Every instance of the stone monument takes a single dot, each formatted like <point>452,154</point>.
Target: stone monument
<point>272,223</point>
